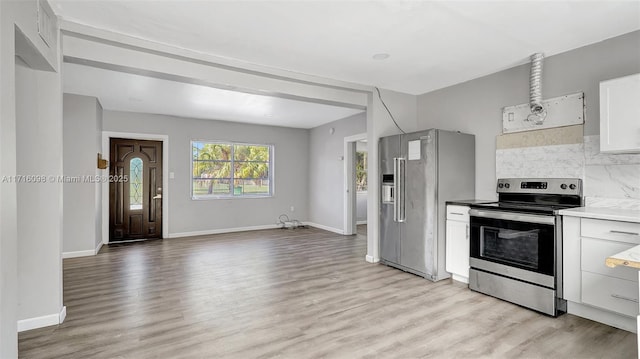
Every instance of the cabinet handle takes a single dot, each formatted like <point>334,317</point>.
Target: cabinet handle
<point>458,213</point>
<point>623,232</point>
<point>624,298</point>
<point>467,228</point>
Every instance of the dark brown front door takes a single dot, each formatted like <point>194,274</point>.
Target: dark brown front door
<point>135,192</point>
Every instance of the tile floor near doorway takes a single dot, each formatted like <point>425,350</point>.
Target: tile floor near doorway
<point>303,293</point>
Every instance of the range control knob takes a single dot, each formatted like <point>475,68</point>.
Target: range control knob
<point>500,185</point>
<point>572,186</point>
<point>506,185</point>
<point>563,186</point>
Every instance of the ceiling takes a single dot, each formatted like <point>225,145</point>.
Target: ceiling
<point>127,92</point>
<point>432,44</point>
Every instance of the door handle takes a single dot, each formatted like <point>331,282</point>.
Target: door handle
<point>158,196</point>
<point>627,233</point>
<point>395,189</point>
<point>402,169</point>
<point>618,296</point>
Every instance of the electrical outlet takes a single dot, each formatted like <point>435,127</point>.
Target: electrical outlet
<point>292,208</point>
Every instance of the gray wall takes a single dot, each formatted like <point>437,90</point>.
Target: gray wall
<point>39,152</point>
<point>18,30</point>
<point>187,215</point>
<point>326,170</point>
<point>476,106</point>
<point>82,119</point>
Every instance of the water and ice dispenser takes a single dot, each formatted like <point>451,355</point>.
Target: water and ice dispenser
<point>387,189</point>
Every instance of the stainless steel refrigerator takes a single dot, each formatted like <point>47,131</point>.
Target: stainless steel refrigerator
<point>420,171</point>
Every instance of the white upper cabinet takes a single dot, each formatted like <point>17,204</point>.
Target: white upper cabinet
<point>620,115</point>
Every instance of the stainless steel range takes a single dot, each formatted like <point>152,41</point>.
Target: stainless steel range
<point>516,243</point>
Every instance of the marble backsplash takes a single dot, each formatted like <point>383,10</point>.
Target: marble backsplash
<point>610,180</point>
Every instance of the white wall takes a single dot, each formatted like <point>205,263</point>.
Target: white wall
<point>476,106</point>
<point>379,124</point>
<point>39,152</point>
<point>187,216</point>
<point>326,170</point>
<point>98,240</point>
<point>82,201</point>
<point>19,15</point>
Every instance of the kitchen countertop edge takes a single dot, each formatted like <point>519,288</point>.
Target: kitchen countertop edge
<point>614,214</point>
<point>466,202</point>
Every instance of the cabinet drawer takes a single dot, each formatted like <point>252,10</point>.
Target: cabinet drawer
<point>595,252</point>
<point>616,295</point>
<point>618,231</point>
<point>458,213</point>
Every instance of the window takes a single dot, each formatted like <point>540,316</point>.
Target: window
<point>231,170</point>
<point>135,183</point>
<point>361,171</point>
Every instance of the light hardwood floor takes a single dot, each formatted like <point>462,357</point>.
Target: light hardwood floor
<point>302,293</point>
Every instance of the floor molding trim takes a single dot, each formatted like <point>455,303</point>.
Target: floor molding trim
<point>326,228</point>
<point>221,231</point>
<point>91,252</point>
<point>370,259</point>
<point>43,321</point>
<point>98,248</point>
<point>63,314</point>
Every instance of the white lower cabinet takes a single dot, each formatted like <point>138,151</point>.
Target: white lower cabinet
<point>614,294</point>
<point>593,290</point>
<point>457,242</point>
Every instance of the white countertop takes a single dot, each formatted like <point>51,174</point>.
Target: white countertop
<point>614,214</point>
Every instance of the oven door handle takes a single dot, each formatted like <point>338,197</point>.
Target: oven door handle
<point>512,216</point>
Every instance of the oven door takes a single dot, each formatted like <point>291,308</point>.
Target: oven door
<point>516,245</point>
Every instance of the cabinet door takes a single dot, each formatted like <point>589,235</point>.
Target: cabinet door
<point>620,115</point>
<point>457,248</point>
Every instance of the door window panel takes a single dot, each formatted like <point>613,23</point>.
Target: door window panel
<point>135,183</point>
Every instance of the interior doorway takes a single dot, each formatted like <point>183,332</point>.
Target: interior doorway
<point>135,190</point>
<point>350,187</point>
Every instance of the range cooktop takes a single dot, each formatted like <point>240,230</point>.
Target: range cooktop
<point>523,207</point>
<point>535,195</point>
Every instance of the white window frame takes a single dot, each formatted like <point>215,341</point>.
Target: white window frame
<point>231,194</point>
<point>366,170</point>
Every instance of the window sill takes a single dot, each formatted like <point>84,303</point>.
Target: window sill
<point>207,198</point>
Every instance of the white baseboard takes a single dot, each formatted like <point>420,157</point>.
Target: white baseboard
<point>370,259</point>
<point>63,314</point>
<point>326,228</point>
<point>90,252</point>
<point>223,230</point>
<point>43,321</point>
<point>361,222</point>
<point>459,278</point>
<point>98,248</point>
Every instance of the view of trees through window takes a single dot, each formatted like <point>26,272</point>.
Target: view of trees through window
<point>229,169</point>
<point>361,171</point>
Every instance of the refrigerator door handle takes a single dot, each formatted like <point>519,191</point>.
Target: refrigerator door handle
<point>402,168</point>
<point>395,189</point>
